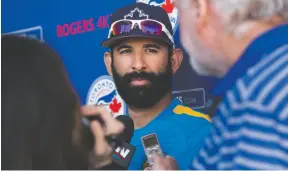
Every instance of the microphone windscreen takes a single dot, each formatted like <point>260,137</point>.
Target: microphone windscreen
<point>128,131</point>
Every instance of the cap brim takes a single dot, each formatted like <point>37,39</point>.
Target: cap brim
<point>112,41</point>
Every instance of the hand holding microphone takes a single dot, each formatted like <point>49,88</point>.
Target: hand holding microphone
<point>115,134</point>
<point>102,151</point>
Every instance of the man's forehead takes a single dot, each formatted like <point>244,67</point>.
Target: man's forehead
<point>139,41</point>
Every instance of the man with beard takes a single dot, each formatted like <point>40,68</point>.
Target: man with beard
<point>142,60</point>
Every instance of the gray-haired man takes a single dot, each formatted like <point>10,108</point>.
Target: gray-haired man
<point>245,44</point>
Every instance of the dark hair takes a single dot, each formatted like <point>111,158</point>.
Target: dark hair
<point>40,110</point>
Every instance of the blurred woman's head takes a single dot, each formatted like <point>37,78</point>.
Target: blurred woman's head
<point>40,111</point>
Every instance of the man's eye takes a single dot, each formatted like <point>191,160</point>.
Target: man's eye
<point>151,51</point>
<point>125,51</point>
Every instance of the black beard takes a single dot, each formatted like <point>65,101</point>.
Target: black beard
<point>143,96</point>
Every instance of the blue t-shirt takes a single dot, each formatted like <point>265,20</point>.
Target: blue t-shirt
<point>180,131</point>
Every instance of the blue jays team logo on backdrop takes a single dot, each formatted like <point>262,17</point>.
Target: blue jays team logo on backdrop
<point>168,7</point>
<point>103,92</point>
<point>32,32</point>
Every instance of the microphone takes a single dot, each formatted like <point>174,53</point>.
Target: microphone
<point>128,131</point>
<point>122,150</point>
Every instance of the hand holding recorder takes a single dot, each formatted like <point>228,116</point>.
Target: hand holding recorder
<point>155,157</point>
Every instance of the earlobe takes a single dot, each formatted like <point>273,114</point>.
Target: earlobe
<point>108,62</point>
<point>176,59</point>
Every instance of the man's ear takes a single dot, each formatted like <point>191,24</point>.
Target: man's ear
<point>108,62</point>
<point>177,58</point>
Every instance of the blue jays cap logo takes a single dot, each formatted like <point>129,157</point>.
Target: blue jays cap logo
<point>136,14</point>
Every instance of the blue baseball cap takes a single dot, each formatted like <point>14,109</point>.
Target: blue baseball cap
<point>140,11</point>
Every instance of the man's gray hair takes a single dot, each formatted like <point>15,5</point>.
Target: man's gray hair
<point>235,13</point>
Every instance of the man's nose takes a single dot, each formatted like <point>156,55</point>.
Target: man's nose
<point>139,63</point>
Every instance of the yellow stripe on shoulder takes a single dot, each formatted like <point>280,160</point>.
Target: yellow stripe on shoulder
<point>179,109</point>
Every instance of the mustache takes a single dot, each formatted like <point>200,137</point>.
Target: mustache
<point>150,76</point>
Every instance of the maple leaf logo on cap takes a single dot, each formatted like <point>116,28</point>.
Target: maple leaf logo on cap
<point>136,14</point>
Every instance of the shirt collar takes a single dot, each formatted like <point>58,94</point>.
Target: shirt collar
<point>264,44</point>
<point>165,112</point>
<point>169,109</point>
<point>175,102</point>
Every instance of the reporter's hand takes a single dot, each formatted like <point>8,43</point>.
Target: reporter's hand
<point>163,163</point>
<point>102,152</point>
